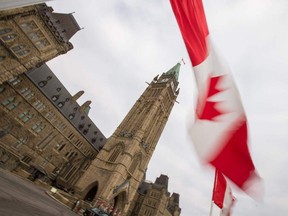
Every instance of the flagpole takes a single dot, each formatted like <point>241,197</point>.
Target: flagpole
<point>211,208</point>
<point>212,201</point>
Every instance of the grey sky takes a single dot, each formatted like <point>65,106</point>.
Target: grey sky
<point>125,43</point>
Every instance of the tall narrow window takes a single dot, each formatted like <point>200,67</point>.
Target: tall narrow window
<point>113,157</point>
<point>26,158</point>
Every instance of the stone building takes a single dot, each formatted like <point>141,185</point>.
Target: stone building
<point>116,173</point>
<point>44,131</point>
<point>153,199</point>
<point>31,36</point>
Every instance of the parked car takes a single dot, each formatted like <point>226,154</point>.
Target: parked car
<point>94,212</point>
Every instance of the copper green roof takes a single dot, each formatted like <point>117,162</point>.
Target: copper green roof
<point>174,71</point>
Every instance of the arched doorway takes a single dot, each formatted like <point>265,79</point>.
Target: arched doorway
<point>91,194</point>
<point>119,201</point>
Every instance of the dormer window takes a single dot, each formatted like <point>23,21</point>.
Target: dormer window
<point>60,104</point>
<point>71,116</point>
<point>55,97</point>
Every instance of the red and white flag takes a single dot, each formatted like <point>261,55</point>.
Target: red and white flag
<point>222,194</point>
<point>219,132</point>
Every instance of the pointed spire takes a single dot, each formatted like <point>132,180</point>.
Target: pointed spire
<point>174,70</point>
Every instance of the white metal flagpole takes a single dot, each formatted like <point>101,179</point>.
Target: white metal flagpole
<point>211,208</point>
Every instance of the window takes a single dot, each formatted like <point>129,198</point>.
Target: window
<point>25,116</point>
<point>14,81</point>
<point>50,116</point>
<point>39,105</point>
<point>35,35</point>
<point>41,44</point>
<point>2,58</point>
<point>71,136</point>
<point>59,146</point>
<point>38,127</point>
<point>60,104</point>
<point>61,126</point>
<point>27,93</point>
<point>23,52</point>
<point>5,31</point>
<point>70,155</point>
<point>8,101</point>
<point>27,158</point>
<point>9,37</point>
<point>20,50</point>
<point>18,47</point>
<point>55,97</point>
<point>20,142</point>
<point>10,104</point>
<point>115,154</point>
<point>28,26</point>
<point>71,116</point>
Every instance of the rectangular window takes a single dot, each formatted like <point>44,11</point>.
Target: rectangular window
<point>35,35</point>
<point>28,26</point>
<point>27,158</point>
<point>41,44</point>
<point>8,101</point>
<point>21,141</point>
<point>25,116</point>
<point>39,105</point>
<point>38,127</point>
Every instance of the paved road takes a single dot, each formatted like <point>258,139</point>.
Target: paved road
<point>19,197</point>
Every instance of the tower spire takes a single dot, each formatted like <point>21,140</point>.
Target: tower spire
<point>174,71</point>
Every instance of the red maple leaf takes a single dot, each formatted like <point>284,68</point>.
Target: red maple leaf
<point>209,111</point>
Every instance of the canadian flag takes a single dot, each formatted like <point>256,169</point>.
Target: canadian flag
<point>222,194</point>
<point>219,132</point>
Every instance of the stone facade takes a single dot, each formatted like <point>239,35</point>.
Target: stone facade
<point>40,133</point>
<point>153,199</point>
<point>45,135</point>
<point>31,36</point>
<point>114,176</point>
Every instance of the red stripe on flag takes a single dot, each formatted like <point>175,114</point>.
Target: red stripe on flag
<point>192,23</point>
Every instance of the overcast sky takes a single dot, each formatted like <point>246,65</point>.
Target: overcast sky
<point>127,42</point>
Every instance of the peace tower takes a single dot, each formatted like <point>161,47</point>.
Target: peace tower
<point>114,176</point>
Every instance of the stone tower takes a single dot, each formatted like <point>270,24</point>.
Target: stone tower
<point>114,176</point>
